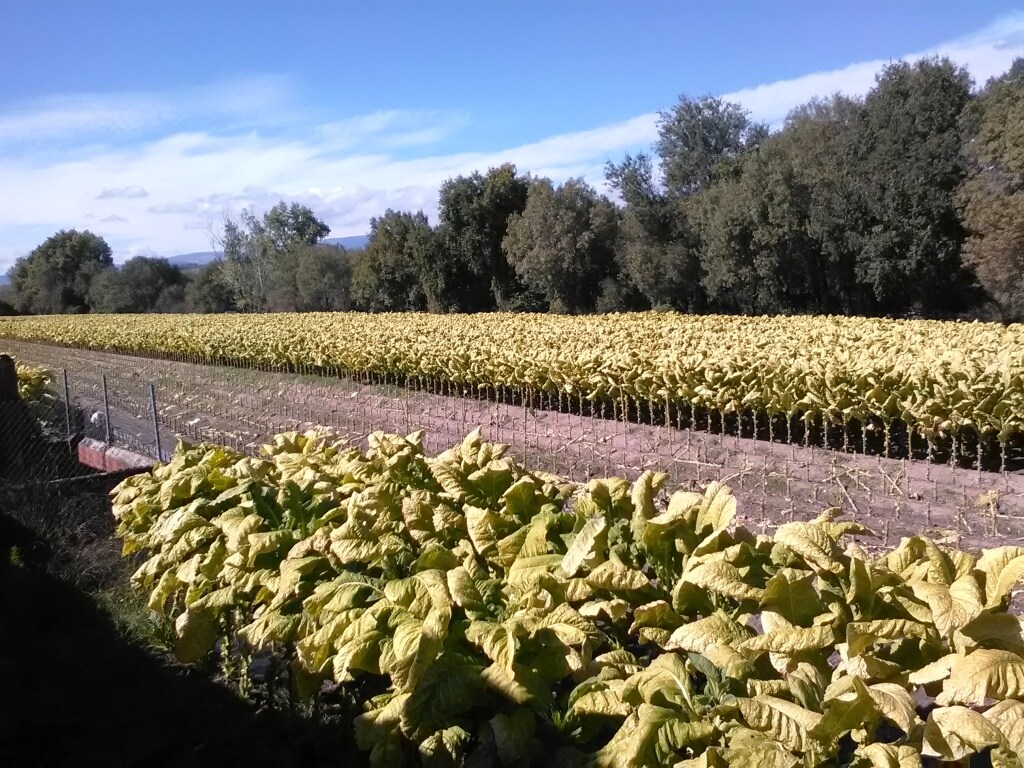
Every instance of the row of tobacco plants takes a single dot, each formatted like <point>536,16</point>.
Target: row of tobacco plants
<point>938,380</point>
<point>479,613</point>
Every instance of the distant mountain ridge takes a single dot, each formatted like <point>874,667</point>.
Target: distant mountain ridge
<point>199,258</point>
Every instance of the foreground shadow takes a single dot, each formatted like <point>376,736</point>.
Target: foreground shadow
<point>75,692</point>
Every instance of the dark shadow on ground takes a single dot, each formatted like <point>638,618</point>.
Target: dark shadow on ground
<point>75,690</point>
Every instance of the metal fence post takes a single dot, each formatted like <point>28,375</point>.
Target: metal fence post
<point>156,423</point>
<point>67,402</point>
<point>106,410</point>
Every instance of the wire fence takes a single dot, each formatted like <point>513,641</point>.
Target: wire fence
<point>146,406</point>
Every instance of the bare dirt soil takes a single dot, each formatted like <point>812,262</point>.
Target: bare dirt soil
<point>775,482</point>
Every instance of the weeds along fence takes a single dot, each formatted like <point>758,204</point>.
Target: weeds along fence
<point>779,468</point>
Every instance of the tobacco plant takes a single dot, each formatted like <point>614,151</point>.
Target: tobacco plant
<point>483,614</point>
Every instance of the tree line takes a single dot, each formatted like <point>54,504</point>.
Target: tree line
<point>908,201</point>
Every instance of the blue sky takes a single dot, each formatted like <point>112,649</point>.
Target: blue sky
<point>148,122</point>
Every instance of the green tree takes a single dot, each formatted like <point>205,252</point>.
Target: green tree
<point>758,251</point>
<point>696,136</point>
<point>323,279</point>
<point>470,272</point>
<point>55,277</point>
<point>816,139</point>
<point>386,275</point>
<point>141,284</point>
<point>207,292</point>
<point>905,168</point>
<point>992,196</point>
<point>259,254</point>
<point>656,250</point>
<point>562,244</point>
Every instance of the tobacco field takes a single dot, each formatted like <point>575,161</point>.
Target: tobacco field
<point>474,612</point>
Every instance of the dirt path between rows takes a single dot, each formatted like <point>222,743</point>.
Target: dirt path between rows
<point>774,482</point>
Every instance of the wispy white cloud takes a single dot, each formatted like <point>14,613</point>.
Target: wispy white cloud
<point>133,192</point>
<point>88,116</point>
<point>181,161</point>
<point>986,53</point>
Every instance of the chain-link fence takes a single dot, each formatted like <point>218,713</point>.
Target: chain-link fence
<point>147,405</point>
<point>39,429</point>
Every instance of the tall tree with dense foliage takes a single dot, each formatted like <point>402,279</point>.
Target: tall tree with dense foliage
<point>471,272</point>
<point>697,136</point>
<point>55,277</point>
<point>562,244</point>
<point>259,254</point>
<point>207,291</point>
<point>905,168</point>
<point>142,284</point>
<point>323,279</point>
<point>656,249</point>
<point>816,140</point>
<point>386,275</point>
<point>993,194</point>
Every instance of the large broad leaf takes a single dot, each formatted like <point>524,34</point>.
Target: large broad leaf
<point>527,571</point>
<point>861,635</point>
<point>466,593</point>
<point>644,490</point>
<point>812,544</point>
<point>417,644</point>
<point>445,748</point>
<point>952,606</point>
<point>381,723</point>
<point>790,640</point>
<point>807,684</point>
<point>791,594</point>
<point>585,545</point>
<point>567,624</point>
<point>598,698</point>
<point>498,641</point>
<point>657,613</point>
<point>520,685</point>
<point>269,628</point>
<point>451,686</point>
<point>935,671</point>
<point>982,675</point>
<point>723,578</point>
<point>1003,568</point>
<point>1008,717</point>
<point>451,480</point>
<point>783,720</point>
<point>896,704</point>
<point>491,481</point>
<point>889,700</point>
<point>615,576</point>
<point>717,509</point>
<point>197,631</point>
<point>613,610</point>
<point>522,499</point>
<point>513,734</point>
<point>654,736</point>
<point>953,733</point>
<point>886,756</point>
<point>485,527</point>
<point>844,713</point>
<point>698,636</point>
<point>993,630</point>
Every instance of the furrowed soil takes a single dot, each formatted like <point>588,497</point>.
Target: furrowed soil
<point>774,482</point>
